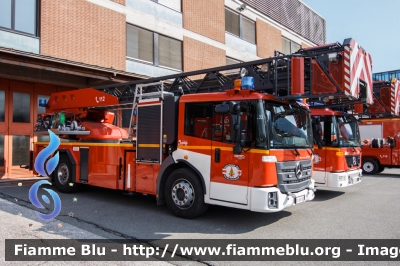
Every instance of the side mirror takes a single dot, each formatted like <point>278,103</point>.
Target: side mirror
<point>236,126</point>
<point>319,145</point>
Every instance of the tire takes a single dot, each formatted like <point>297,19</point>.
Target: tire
<point>369,166</point>
<point>184,194</point>
<point>381,169</point>
<point>62,176</point>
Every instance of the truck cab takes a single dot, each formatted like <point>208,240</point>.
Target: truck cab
<point>381,144</point>
<point>337,148</point>
<point>267,156</point>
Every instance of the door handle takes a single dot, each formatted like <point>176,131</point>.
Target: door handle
<point>217,155</point>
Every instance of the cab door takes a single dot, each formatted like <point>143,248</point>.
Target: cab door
<point>229,172</point>
<point>320,154</point>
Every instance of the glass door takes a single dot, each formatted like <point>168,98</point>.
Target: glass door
<point>3,125</point>
<point>20,121</point>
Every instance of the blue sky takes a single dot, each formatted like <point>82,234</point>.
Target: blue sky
<point>374,24</point>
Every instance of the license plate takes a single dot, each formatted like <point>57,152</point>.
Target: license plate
<point>300,199</point>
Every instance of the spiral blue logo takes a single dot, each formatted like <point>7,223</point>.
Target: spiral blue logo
<point>35,201</point>
<point>45,169</point>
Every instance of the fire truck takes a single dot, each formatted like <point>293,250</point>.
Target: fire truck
<point>233,136</point>
<point>337,146</point>
<point>337,149</point>
<point>380,128</point>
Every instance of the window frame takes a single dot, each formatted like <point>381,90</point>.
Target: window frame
<point>290,44</point>
<point>241,17</point>
<point>37,21</point>
<point>155,48</point>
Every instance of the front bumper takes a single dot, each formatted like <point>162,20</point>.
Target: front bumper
<point>344,179</point>
<point>260,198</point>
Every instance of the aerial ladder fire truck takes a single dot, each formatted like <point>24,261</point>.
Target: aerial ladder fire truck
<point>233,136</point>
<point>337,145</point>
<point>380,128</point>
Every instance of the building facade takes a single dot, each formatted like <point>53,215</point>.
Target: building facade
<point>387,75</point>
<point>55,45</point>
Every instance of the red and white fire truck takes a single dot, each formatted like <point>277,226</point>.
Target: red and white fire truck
<point>380,128</point>
<point>337,146</point>
<point>337,152</point>
<point>233,136</point>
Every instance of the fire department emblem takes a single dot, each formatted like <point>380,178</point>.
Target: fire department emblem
<point>231,171</point>
<point>317,159</point>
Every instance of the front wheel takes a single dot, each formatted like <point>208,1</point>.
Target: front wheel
<point>184,194</point>
<point>369,166</point>
<point>381,169</point>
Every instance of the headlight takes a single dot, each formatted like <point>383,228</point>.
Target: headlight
<point>269,159</point>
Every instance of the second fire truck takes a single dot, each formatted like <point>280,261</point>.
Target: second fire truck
<point>380,128</point>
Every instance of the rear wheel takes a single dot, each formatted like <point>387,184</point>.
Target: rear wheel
<point>184,194</point>
<point>63,176</point>
<point>369,166</point>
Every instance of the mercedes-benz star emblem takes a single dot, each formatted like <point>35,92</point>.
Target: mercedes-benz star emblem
<point>298,171</point>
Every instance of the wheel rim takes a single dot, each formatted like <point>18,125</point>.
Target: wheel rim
<point>63,174</point>
<point>368,167</point>
<point>182,194</point>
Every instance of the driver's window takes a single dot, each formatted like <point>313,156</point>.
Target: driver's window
<point>221,127</point>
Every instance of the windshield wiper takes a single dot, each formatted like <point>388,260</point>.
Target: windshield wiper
<point>295,149</point>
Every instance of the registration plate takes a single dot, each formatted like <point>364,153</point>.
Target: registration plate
<point>300,199</point>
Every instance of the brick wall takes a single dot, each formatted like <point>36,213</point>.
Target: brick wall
<point>81,31</point>
<point>198,55</point>
<point>205,17</point>
<point>268,38</point>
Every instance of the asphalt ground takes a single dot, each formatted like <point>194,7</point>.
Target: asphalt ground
<point>369,210</point>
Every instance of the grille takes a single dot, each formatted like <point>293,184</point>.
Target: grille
<point>294,15</point>
<point>353,160</point>
<point>298,186</point>
<point>296,181</point>
<point>287,180</point>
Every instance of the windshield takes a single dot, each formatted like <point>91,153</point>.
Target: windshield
<point>347,132</point>
<point>288,126</point>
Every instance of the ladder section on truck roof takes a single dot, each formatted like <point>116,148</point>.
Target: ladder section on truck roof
<point>321,73</point>
<point>386,95</point>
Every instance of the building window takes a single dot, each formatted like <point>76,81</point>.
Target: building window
<point>151,47</point>
<point>21,107</point>
<point>289,47</point>
<point>173,4</point>
<point>231,61</point>
<point>19,15</point>
<point>240,26</point>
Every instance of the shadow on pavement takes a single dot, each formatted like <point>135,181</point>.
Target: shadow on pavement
<point>324,195</point>
<point>139,216</point>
